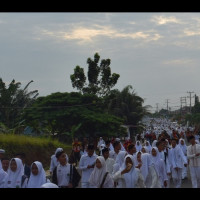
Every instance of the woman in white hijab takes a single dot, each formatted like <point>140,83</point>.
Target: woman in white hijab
<point>38,176</point>
<point>119,161</point>
<point>183,146</point>
<point>100,171</point>
<point>144,162</point>
<point>130,176</point>
<point>138,145</point>
<point>159,166</point>
<point>15,173</point>
<point>154,143</point>
<point>148,146</point>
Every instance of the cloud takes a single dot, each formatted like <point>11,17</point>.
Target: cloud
<point>161,20</point>
<point>88,34</point>
<point>191,33</point>
<point>180,62</point>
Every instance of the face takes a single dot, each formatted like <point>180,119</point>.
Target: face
<point>34,169</point>
<point>98,164</point>
<point>13,165</point>
<point>154,153</point>
<point>147,144</point>
<point>139,157</point>
<point>182,142</point>
<point>5,165</point>
<point>161,146</point>
<point>1,155</point>
<point>106,154</point>
<point>173,143</point>
<point>143,150</point>
<point>138,143</point>
<point>90,152</point>
<point>128,160</point>
<point>62,159</point>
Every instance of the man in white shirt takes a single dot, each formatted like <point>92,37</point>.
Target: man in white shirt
<point>109,161</point>
<point>86,165</point>
<point>193,154</point>
<point>178,160</point>
<point>65,175</point>
<point>117,147</point>
<point>132,150</point>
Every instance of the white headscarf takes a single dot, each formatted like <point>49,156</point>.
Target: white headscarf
<point>132,176</point>
<point>148,147</point>
<point>57,150</point>
<point>49,185</point>
<point>119,161</point>
<point>154,143</point>
<point>35,181</point>
<point>138,147</point>
<point>156,160</point>
<point>183,147</point>
<point>13,179</point>
<point>97,174</point>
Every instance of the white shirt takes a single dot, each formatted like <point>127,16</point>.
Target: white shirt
<point>3,175</point>
<point>113,154</point>
<point>84,162</point>
<point>63,174</point>
<point>167,165</point>
<point>178,158</point>
<point>194,161</point>
<point>109,163</point>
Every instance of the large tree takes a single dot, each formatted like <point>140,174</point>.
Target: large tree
<point>100,79</point>
<point>127,105</point>
<point>13,101</point>
<point>71,113</point>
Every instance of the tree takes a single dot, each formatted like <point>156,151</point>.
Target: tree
<point>71,114</point>
<point>127,105</point>
<point>13,101</point>
<point>100,79</point>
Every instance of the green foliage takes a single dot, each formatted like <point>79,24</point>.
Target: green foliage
<point>13,100</point>
<point>71,114</point>
<point>127,105</point>
<point>96,85</point>
<point>35,148</point>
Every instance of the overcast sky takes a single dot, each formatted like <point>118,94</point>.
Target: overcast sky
<point>157,53</point>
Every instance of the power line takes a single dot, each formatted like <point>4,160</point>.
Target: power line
<point>190,100</point>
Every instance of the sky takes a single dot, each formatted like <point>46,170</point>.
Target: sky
<point>157,53</point>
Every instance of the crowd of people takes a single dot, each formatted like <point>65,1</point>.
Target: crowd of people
<point>165,151</point>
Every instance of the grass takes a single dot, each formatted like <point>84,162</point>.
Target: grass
<point>35,148</point>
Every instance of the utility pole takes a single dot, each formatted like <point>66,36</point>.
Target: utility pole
<point>182,100</point>
<point>167,105</point>
<point>157,107</point>
<point>190,100</point>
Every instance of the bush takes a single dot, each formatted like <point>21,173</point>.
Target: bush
<point>35,148</point>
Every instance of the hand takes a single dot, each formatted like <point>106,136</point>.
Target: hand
<point>165,183</point>
<point>197,154</point>
<point>185,165</point>
<point>176,168</point>
<point>89,166</point>
<point>139,165</point>
<point>169,174</point>
<point>127,169</point>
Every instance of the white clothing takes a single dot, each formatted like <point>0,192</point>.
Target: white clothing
<point>97,176</point>
<point>159,166</point>
<point>3,175</point>
<point>192,150</point>
<point>195,176</point>
<point>119,161</point>
<point>113,154</point>
<point>49,185</point>
<point>84,162</point>
<point>110,163</point>
<point>132,179</point>
<point>138,147</point>
<point>35,181</point>
<point>13,180</point>
<point>63,174</point>
<point>0,165</point>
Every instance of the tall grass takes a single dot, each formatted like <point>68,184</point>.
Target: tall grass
<point>35,148</point>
